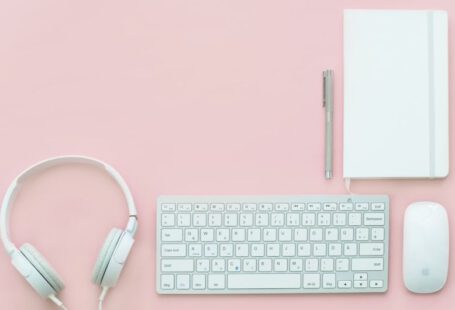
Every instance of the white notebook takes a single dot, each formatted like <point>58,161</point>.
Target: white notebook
<point>395,94</point>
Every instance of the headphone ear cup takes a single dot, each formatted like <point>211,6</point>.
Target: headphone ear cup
<point>42,266</point>
<point>105,255</point>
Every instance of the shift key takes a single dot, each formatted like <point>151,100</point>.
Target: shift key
<point>365,264</point>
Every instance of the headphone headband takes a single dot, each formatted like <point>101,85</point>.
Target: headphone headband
<point>15,185</point>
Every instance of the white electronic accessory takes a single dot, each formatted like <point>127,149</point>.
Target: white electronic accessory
<point>34,267</point>
<point>425,247</point>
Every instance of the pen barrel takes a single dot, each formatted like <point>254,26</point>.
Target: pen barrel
<point>329,145</point>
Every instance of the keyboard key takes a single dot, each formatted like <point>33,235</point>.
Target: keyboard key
<point>304,249</point>
<point>265,207</point>
<point>311,280</point>
<point>270,234</point>
<point>249,265</point>
<point>377,234</point>
<point>346,206</point>
<point>262,219</point>
<point>177,265</point>
<point>361,234</point>
<point>199,219</point>
<point>167,219</point>
<point>334,249</point>
<point>230,219</point>
<point>308,219</point>
<point>330,206</point>
<point>167,282</point>
<point>296,264</point>
<point>355,219</point>
<point>298,207</point>
<point>202,265</point>
<point>173,250</point>
<point>324,219</point>
<point>218,265</point>
<point>360,276</point>
<point>234,265</point>
<point>217,281</point>
<point>280,265</point>
<point>168,207</point>
<point>300,234</point>
<point>233,207</point>
<point>344,284</point>
<point>171,235</point>
<point>238,234</point>
<point>282,207</point>
<point>264,281</point>
<point>195,249</point>
<point>273,250</point>
<point>314,207</point>
<point>372,249</point>
<point>254,234</point>
<point>199,282</point>
<point>201,207</point>
<point>339,219</point>
<point>285,234</point>
<point>277,219</point>
<point>184,219</point>
<point>207,234</point>
<point>288,249</point>
<point>316,234</point>
<point>331,234</point>
<point>319,249</point>
<point>222,234</point>
<point>215,219</point>
<point>342,264</point>
<point>246,219</point>
<point>350,249</point>
<point>217,207</point>
<point>265,265</point>
<point>377,206</point>
<point>226,250</point>
<point>257,250</point>
<point>184,206</point>
<point>374,264</point>
<point>360,284</point>
<point>347,234</point>
<point>376,283</point>
<point>183,281</point>
<point>249,207</point>
<point>361,206</point>
<point>376,219</point>
<point>328,280</point>
<point>191,234</point>
<point>311,264</point>
<point>241,250</point>
<point>293,219</point>
<point>327,264</point>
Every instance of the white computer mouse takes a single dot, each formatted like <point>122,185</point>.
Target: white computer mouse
<point>425,247</point>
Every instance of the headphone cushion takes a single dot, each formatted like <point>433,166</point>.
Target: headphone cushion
<point>42,266</point>
<point>105,255</point>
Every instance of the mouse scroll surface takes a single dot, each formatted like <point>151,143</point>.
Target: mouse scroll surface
<point>425,247</point>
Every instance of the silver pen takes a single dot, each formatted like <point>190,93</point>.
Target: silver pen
<point>327,103</point>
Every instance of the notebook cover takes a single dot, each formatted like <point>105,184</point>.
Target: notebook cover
<point>395,94</point>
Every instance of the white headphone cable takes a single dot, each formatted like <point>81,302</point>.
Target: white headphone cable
<point>57,301</point>
<point>102,296</point>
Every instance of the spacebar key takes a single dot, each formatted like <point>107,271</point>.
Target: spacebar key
<point>264,281</point>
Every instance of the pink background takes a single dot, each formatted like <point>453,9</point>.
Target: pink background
<point>183,97</point>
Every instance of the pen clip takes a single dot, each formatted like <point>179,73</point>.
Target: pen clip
<point>324,88</point>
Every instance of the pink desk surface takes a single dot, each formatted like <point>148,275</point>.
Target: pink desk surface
<point>183,97</point>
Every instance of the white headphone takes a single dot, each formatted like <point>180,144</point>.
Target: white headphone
<point>34,267</point>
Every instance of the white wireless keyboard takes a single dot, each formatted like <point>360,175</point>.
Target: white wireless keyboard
<point>272,244</point>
